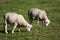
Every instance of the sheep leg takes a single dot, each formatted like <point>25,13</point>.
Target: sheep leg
<point>15,25</point>
<point>38,22</point>
<point>31,21</point>
<point>19,29</point>
<point>43,23</point>
<point>5,26</point>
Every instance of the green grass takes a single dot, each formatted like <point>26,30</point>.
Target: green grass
<point>52,7</point>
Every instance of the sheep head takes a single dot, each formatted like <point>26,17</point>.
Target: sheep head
<point>28,27</point>
<point>47,22</point>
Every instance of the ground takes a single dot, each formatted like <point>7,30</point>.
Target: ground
<point>40,32</point>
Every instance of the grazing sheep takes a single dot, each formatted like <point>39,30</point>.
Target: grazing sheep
<point>35,13</point>
<point>15,19</point>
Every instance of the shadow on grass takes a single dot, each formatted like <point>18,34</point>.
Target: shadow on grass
<point>1,31</point>
<point>9,31</point>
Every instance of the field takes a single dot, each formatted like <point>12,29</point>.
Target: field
<point>40,32</point>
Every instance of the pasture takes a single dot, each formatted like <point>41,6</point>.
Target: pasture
<point>40,32</point>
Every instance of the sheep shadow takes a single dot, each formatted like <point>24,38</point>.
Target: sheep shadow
<point>1,31</point>
<point>9,31</point>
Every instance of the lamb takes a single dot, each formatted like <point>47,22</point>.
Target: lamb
<point>35,13</point>
<point>15,19</point>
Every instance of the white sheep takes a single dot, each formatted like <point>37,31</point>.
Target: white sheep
<point>15,19</point>
<point>35,13</point>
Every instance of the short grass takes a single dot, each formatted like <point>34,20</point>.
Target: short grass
<point>52,7</point>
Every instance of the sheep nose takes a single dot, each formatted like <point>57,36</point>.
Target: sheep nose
<point>46,24</point>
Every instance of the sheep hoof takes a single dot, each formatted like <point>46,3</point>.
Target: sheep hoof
<point>12,32</point>
<point>19,30</point>
<point>6,32</point>
<point>28,30</point>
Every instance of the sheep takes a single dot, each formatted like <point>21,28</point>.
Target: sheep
<point>35,13</point>
<point>15,19</point>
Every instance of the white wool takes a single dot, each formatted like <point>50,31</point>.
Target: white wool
<point>39,14</point>
<point>16,19</point>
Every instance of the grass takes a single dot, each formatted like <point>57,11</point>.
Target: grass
<point>52,7</point>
